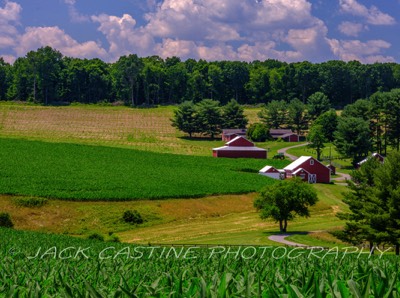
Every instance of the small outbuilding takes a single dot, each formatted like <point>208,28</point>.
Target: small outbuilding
<point>379,157</point>
<point>285,134</point>
<point>332,168</point>
<point>303,175</point>
<point>230,134</point>
<point>240,147</point>
<point>271,172</point>
<point>316,171</point>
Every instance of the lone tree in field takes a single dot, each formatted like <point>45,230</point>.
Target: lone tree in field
<point>316,139</point>
<point>285,200</point>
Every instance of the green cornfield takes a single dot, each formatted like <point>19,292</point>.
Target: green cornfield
<point>82,172</point>
<point>43,265</point>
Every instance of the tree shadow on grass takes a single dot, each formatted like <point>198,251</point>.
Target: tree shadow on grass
<point>196,138</point>
<point>289,232</point>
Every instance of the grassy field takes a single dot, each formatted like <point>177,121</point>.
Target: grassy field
<point>344,165</point>
<point>40,265</point>
<point>225,219</point>
<point>80,172</point>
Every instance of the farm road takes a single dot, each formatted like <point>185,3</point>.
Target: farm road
<point>342,176</point>
<point>281,239</point>
<point>290,156</point>
<point>339,180</point>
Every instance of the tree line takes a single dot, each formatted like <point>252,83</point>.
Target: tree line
<point>46,76</point>
<point>367,125</point>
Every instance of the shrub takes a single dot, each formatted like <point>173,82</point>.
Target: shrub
<point>5,220</point>
<point>114,238</point>
<point>258,132</point>
<point>30,202</point>
<point>132,217</point>
<point>96,236</point>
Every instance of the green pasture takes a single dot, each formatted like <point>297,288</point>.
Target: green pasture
<point>344,164</point>
<point>79,172</point>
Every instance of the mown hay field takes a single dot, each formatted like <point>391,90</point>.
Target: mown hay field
<point>145,129</point>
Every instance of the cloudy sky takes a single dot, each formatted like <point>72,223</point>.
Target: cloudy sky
<point>287,30</point>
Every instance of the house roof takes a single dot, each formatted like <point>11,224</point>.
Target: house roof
<point>266,169</point>
<point>237,148</point>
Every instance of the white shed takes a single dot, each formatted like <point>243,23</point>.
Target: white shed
<point>270,171</point>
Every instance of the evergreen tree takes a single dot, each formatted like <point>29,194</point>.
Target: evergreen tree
<point>387,180</point>
<point>363,205</point>
<point>209,117</point>
<point>352,138</point>
<point>274,114</point>
<point>185,118</point>
<point>233,115</point>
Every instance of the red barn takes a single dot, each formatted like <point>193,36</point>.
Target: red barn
<point>240,147</point>
<point>285,134</point>
<point>230,134</point>
<point>313,170</point>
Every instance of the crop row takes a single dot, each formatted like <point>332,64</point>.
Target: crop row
<point>80,172</point>
<point>40,265</point>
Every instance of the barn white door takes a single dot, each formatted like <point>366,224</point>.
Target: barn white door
<point>312,178</point>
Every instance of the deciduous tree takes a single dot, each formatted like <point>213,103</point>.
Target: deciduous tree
<point>285,200</point>
<point>316,139</point>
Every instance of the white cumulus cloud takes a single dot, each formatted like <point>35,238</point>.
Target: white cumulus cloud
<point>36,37</point>
<point>124,38</point>
<point>351,29</point>
<point>9,18</point>
<point>365,52</point>
<point>372,15</point>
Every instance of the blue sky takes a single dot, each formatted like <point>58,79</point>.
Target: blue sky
<point>287,30</point>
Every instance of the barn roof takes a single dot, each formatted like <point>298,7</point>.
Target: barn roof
<point>298,162</point>
<point>376,155</point>
<point>299,170</point>
<point>288,135</point>
<point>266,169</point>
<point>233,131</point>
<point>280,131</point>
<point>240,140</point>
<point>237,148</point>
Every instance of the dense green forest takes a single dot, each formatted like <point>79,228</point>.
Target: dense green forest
<point>46,76</point>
